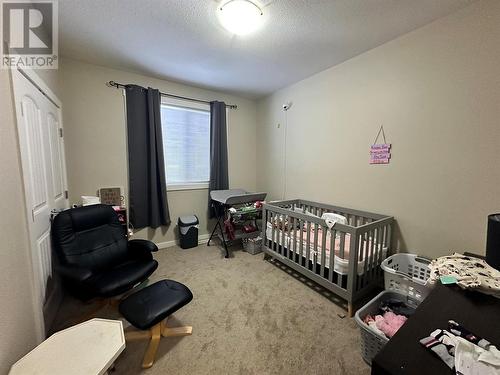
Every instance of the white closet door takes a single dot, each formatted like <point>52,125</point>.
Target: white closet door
<point>42,157</point>
<point>57,165</point>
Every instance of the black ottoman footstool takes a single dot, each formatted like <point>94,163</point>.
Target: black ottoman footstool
<point>149,308</point>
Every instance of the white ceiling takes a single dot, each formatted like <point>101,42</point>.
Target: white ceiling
<point>182,40</point>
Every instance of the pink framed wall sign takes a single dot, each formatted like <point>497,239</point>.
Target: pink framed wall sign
<point>380,153</point>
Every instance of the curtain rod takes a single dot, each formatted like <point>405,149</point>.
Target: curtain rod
<point>122,86</point>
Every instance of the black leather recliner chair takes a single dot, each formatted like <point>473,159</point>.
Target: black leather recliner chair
<point>95,257</point>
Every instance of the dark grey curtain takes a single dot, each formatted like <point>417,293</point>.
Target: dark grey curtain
<point>147,183</point>
<point>219,178</point>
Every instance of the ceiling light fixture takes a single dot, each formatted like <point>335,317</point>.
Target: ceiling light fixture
<point>240,17</point>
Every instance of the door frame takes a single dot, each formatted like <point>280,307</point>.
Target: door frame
<point>41,86</point>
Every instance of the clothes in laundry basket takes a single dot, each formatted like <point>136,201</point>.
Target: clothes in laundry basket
<point>387,324</point>
<point>397,307</point>
<point>392,314</point>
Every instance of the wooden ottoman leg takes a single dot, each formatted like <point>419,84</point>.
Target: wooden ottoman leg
<point>175,332</point>
<point>169,295</point>
<point>154,335</point>
<point>150,355</point>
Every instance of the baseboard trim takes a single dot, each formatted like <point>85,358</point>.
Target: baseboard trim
<point>202,238</point>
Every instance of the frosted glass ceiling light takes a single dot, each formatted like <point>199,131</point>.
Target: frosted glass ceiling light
<point>240,17</point>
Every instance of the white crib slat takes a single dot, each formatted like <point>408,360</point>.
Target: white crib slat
<point>294,239</point>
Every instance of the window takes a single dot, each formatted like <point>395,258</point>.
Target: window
<point>186,143</point>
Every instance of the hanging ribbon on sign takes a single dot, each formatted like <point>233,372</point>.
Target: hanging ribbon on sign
<point>380,153</point>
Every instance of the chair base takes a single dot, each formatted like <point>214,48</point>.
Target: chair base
<point>113,302</point>
<point>98,305</point>
<point>154,334</point>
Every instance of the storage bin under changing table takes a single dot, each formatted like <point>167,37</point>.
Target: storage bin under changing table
<point>253,245</point>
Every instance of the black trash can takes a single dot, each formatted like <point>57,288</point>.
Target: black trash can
<point>188,231</point>
<point>493,241</point>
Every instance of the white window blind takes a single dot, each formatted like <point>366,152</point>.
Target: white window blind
<point>186,143</point>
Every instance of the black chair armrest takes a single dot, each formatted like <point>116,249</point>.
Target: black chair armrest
<point>141,249</point>
<point>142,245</point>
<point>73,273</point>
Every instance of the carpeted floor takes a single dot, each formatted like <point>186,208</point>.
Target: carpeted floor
<point>249,316</point>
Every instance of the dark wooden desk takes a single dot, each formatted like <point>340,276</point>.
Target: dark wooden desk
<point>404,354</point>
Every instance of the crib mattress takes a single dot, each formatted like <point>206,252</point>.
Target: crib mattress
<point>340,263</point>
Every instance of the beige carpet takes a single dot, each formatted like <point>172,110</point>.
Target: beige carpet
<point>249,316</point>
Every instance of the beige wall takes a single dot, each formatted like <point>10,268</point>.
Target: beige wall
<point>17,323</point>
<point>51,77</point>
<point>94,121</point>
<point>437,92</point>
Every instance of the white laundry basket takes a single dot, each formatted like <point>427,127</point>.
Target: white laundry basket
<point>407,274</point>
<point>372,342</point>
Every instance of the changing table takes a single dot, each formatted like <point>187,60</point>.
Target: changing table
<point>221,201</point>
